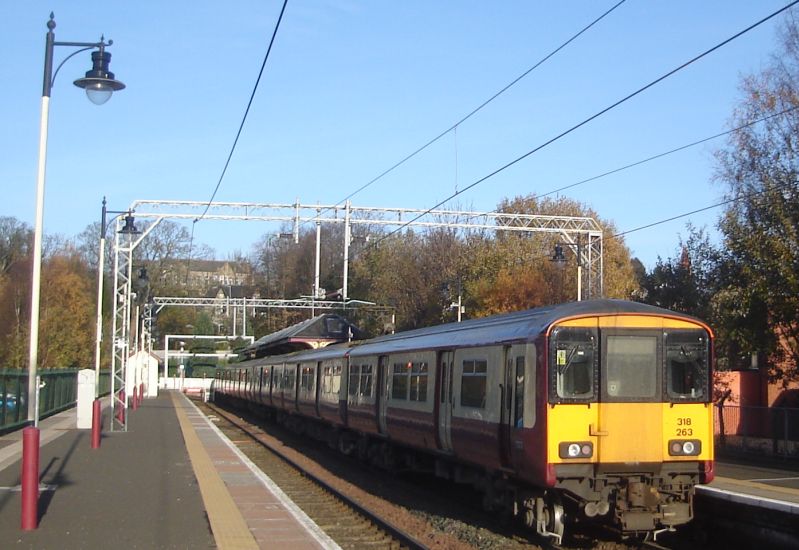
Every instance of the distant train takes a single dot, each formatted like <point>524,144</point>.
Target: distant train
<point>595,409</point>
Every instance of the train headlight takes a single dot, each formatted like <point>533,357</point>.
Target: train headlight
<point>685,447</point>
<point>576,449</point>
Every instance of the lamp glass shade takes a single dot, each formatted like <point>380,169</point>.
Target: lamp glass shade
<point>98,95</point>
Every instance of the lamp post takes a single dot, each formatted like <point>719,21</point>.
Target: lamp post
<point>560,259</point>
<point>128,229</point>
<point>99,84</point>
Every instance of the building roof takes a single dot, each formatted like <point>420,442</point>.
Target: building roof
<point>316,332</point>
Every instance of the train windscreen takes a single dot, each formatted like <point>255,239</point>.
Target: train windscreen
<point>573,370</point>
<point>687,362</point>
<point>628,365</point>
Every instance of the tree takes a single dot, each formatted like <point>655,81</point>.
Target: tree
<point>15,241</point>
<point>688,281</point>
<point>760,168</point>
<point>67,313</point>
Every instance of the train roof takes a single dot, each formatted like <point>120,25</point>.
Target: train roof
<point>520,326</point>
<point>516,327</point>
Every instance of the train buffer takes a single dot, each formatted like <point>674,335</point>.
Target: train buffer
<point>170,481</point>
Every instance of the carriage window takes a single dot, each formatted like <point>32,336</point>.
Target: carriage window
<point>289,378</point>
<point>419,382</point>
<point>687,365</point>
<point>306,378</point>
<point>355,374</point>
<point>473,384</point>
<point>336,382</point>
<point>366,380</point>
<point>631,366</point>
<point>573,364</point>
<point>518,414</point>
<point>327,380</point>
<point>399,381</point>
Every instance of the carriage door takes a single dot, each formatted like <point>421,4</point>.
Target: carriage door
<point>382,392</point>
<point>446,359</point>
<point>507,386</point>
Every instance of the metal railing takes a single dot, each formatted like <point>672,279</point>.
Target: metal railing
<point>769,430</point>
<point>58,392</point>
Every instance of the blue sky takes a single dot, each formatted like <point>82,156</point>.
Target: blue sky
<point>352,87</point>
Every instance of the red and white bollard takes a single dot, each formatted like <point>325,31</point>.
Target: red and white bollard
<point>30,478</point>
<point>135,398</point>
<point>96,424</point>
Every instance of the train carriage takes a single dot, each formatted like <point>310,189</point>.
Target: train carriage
<point>600,409</point>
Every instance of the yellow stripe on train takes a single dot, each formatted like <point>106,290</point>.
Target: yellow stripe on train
<point>629,321</point>
<point>629,432</point>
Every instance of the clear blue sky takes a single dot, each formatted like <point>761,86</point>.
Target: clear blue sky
<point>351,87</point>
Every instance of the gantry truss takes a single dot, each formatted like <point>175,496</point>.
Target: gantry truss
<point>582,235</point>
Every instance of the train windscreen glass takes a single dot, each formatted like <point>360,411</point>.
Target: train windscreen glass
<point>687,365</point>
<point>573,364</point>
<point>631,367</point>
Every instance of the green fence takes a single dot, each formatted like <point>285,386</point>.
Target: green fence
<point>59,391</point>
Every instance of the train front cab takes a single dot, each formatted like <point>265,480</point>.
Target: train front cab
<point>629,416</point>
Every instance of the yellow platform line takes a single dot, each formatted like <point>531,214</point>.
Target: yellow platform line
<point>227,524</point>
<point>757,485</point>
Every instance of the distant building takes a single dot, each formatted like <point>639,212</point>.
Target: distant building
<point>209,273</point>
<point>204,275</point>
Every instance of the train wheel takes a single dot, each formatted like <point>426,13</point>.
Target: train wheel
<point>549,517</point>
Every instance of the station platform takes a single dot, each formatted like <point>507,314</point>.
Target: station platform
<point>172,480</point>
<point>762,483</point>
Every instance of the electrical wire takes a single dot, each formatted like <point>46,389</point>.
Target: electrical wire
<point>482,105</point>
<point>591,118</point>
<point>655,157</point>
<point>246,112</point>
<point>238,133</point>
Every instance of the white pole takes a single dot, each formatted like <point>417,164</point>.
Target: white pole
<point>347,238</point>
<point>317,264</point>
<point>33,350</point>
<point>244,316</point>
<point>99,328</point>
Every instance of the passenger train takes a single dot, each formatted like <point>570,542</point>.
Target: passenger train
<point>594,409</point>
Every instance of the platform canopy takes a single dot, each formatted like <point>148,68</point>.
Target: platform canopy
<point>316,332</point>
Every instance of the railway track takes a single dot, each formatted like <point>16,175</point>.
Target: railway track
<point>345,520</point>
<point>397,514</point>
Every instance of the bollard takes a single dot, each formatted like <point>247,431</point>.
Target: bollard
<point>30,478</point>
<point>135,398</point>
<point>141,393</point>
<point>96,424</point>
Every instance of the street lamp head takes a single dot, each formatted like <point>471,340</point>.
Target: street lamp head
<point>130,226</point>
<point>558,256</point>
<point>99,82</point>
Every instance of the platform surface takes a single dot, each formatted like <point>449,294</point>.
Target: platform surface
<point>172,480</point>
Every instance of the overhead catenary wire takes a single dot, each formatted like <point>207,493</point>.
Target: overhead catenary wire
<point>246,111</point>
<point>591,118</point>
<point>661,155</point>
<point>739,197</point>
<point>477,109</point>
<point>241,126</point>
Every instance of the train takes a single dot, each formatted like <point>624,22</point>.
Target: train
<point>594,410</point>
